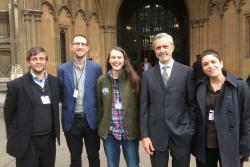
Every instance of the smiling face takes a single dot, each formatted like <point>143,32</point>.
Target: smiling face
<point>163,50</point>
<point>79,46</point>
<point>212,66</point>
<point>37,63</point>
<point>116,60</point>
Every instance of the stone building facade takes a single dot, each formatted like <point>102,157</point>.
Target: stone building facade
<point>223,25</point>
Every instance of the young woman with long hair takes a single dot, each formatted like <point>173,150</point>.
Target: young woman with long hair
<point>118,109</point>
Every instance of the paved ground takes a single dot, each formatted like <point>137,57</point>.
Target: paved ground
<point>62,158</point>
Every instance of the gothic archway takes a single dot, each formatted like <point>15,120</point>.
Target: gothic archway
<point>138,21</point>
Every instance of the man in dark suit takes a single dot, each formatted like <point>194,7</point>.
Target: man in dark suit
<point>78,94</point>
<point>31,114</point>
<point>167,107</point>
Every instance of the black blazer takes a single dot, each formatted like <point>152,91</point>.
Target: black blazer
<point>18,113</point>
<point>167,112</point>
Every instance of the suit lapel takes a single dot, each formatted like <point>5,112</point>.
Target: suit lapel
<point>27,85</point>
<point>53,91</point>
<point>158,75</point>
<point>87,74</point>
<point>52,85</point>
<point>175,74</point>
<point>201,98</point>
<point>70,75</point>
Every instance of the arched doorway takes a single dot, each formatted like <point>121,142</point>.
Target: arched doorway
<point>138,22</point>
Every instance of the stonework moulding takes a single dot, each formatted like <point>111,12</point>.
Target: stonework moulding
<point>4,15</point>
<point>27,15</point>
<point>239,4</point>
<point>37,15</point>
<point>50,7</point>
<point>198,23</point>
<point>108,29</point>
<point>91,14</point>
<point>83,14</point>
<point>68,12</point>
<point>221,5</point>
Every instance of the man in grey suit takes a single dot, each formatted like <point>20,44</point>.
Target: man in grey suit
<point>167,116</point>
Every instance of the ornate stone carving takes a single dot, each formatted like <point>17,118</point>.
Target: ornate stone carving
<point>3,86</point>
<point>222,5</point>
<point>16,71</point>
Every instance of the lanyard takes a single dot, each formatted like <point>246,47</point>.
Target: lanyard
<point>77,80</point>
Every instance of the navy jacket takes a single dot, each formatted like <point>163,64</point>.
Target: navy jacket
<point>66,81</point>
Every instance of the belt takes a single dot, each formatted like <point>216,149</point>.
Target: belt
<point>79,115</point>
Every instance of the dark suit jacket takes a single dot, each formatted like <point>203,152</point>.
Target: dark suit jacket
<point>18,113</point>
<point>66,79</point>
<point>167,112</point>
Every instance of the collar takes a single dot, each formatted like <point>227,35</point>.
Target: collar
<point>230,79</point>
<point>79,66</point>
<point>169,65</point>
<point>35,77</point>
<point>122,74</point>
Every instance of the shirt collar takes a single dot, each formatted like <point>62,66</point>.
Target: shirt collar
<point>169,65</point>
<point>79,66</point>
<point>35,77</point>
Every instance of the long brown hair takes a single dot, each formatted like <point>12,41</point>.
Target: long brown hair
<point>127,67</point>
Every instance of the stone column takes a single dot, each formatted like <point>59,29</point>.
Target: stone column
<point>109,37</point>
<point>28,28</point>
<point>37,21</point>
<point>198,37</point>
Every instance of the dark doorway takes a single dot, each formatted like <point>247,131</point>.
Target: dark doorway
<point>63,45</point>
<point>139,21</point>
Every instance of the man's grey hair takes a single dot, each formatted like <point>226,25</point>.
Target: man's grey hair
<point>163,35</point>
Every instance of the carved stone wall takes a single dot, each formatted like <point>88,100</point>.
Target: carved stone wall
<point>5,57</point>
<point>218,24</point>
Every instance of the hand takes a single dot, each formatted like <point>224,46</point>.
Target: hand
<point>148,146</point>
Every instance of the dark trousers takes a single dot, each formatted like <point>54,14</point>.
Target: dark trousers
<point>41,152</point>
<point>212,158</point>
<point>80,130</point>
<point>180,156</point>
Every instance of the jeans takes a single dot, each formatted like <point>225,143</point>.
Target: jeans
<point>129,148</point>
<point>80,130</point>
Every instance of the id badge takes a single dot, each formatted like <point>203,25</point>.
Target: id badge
<point>75,95</point>
<point>118,106</point>
<point>211,115</point>
<point>45,99</point>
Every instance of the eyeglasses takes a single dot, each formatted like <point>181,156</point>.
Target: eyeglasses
<point>38,59</point>
<point>80,43</point>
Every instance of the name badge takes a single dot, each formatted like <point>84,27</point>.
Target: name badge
<point>45,99</point>
<point>75,95</point>
<point>118,105</point>
<point>211,115</point>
